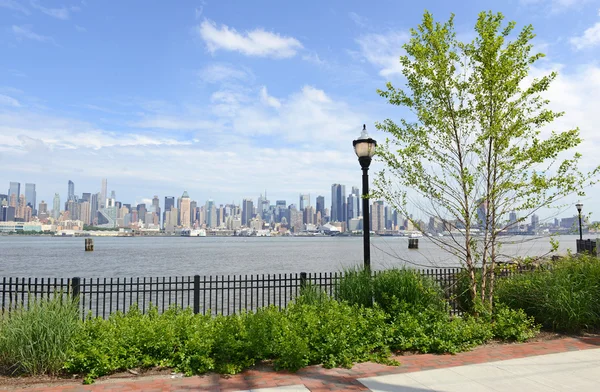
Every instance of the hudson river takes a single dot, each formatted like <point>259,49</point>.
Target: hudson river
<point>25,256</point>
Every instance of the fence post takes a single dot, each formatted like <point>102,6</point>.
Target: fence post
<point>76,290</point>
<point>302,280</point>
<point>196,294</point>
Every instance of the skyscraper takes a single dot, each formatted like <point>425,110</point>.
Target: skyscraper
<point>356,192</point>
<point>247,210</point>
<point>71,193</point>
<point>102,201</point>
<point>321,205</point>
<point>377,217</point>
<point>304,201</point>
<point>30,197</point>
<point>94,208</point>
<point>56,206</point>
<point>338,203</point>
<point>15,189</point>
<point>211,213</point>
<point>352,207</point>
<point>169,204</point>
<point>184,213</point>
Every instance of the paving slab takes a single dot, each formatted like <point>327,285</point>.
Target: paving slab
<point>566,371</point>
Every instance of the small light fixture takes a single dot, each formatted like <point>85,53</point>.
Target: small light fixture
<point>579,207</point>
<point>364,146</point>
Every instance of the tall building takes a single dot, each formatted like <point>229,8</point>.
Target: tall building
<point>169,204</point>
<point>14,189</point>
<point>247,210</point>
<point>3,199</point>
<point>338,203</point>
<point>141,210</point>
<point>30,197</point>
<point>85,212</point>
<point>304,202</point>
<point>184,212</point>
<point>56,206</point>
<point>94,207</point>
<point>352,207</point>
<point>42,211</point>
<point>210,212</point>
<point>86,197</point>
<point>21,208</point>
<point>377,216</point>
<point>513,227</point>
<point>71,191</point>
<point>103,194</point>
<point>535,222</point>
<point>356,192</point>
<point>321,205</point>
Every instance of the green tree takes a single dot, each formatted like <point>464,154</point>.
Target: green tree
<point>475,139</point>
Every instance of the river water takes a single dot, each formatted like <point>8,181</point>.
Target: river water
<point>24,256</point>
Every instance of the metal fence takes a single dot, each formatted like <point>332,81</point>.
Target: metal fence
<point>100,297</point>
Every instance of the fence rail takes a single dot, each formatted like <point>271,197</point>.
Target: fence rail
<point>100,297</point>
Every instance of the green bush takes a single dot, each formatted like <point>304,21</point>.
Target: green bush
<point>565,297</point>
<point>513,325</point>
<point>407,286</point>
<point>36,340</point>
<point>434,331</point>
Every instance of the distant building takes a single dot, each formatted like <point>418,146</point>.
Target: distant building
<point>14,190</point>
<point>185,211</point>
<point>56,206</point>
<point>304,202</point>
<point>338,203</point>
<point>103,194</point>
<point>71,191</point>
<point>377,216</point>
<point>535,222</point>
<point>320,205</point>
<point>30,197</point>
<point>247,210</point>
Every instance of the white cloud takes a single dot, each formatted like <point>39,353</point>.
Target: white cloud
<point>58,13</point>
<point>5,100</point>
<point>358,20</point>
<point>383,51</point>
<point>590,38</point>
<point>257,42</point>
<point>14,5</point>
<point>173,123</point>
<point>81,29</point>
<point>554,5</point>
<point>314,58</point>
<point>217,73</point>
<point>25,32</point>
<point>268,100</point>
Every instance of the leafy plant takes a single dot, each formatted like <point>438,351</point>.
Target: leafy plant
<point>408,286</point>
<point>515,325</point>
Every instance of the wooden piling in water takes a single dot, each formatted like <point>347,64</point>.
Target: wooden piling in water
<point>89,244</point>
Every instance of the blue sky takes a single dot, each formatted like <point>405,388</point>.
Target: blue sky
<point>226,99</point>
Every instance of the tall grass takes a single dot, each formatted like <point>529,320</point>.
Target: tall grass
<point>565,298</point>
<point>389,287</point>
<point>36,340</point>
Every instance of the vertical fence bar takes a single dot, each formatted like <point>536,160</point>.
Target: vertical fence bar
<point>196,294</point>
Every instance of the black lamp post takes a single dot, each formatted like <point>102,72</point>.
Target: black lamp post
<point>364,147</point>
<point>579,207</point>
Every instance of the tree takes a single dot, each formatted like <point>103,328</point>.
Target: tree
<point>474,149</point>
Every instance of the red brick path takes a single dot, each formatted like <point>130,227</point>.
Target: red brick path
<point>316,378</point>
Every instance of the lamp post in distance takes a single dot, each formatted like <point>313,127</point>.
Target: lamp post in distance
<point>579,206</point>
<point>364,147</point>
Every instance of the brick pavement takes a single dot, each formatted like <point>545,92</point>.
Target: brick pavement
<point>316,378</point>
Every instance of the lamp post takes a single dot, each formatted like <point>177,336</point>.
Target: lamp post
<point>579,207</point>
<point>364,147</point>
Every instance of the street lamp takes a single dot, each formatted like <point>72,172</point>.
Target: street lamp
<point>364,147</point>
<point>579,207</point>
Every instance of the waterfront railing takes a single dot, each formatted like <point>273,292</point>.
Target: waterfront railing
<point>225,295</point>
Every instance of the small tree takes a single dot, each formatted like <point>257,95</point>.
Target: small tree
<point>474,150</point>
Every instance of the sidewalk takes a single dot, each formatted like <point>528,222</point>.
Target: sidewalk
<point>316,378</point>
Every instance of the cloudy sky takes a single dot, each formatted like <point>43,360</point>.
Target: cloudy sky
<point>225,99</point>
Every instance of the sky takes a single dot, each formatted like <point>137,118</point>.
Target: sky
<point>227,99</point>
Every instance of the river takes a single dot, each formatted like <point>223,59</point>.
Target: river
<point>38,256</point>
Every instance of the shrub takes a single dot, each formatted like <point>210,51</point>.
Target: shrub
<point>565,297</point>
<point>407,286</point>
<point>514,325</point>
<point>434,331</point>
<point>36,340</point>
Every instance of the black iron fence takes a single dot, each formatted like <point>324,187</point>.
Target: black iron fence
<point>586,246</point>
<point>100,297</point>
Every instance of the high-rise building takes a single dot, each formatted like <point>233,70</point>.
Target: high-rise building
<point>321,205</point>
<point>71,191</point>
<point>86,197</point>
<point>103,194</point>
<point>42,211</point>
<point>356,192</point>
<point>14,189</point>
<point>85,212</point>
<point>210,213</point>
<point>3,199</point>
<point>513,227</point>
<point>94,206</point>
<point>7,214</point>
<point>30,197</point>
<point>141,210</point>
<point>352,207</point>
<point>304,202</point>
<point>247,210</point>
<point>169,204</point>
<point>56,206</point>
<point>377,217</point>
<point>156,205</point>
<point>338,203</point>
<point>21,208</point>
<point>184,212</point>
<point>535,222</point>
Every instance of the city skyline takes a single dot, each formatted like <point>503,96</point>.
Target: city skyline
<point>211,109</point>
